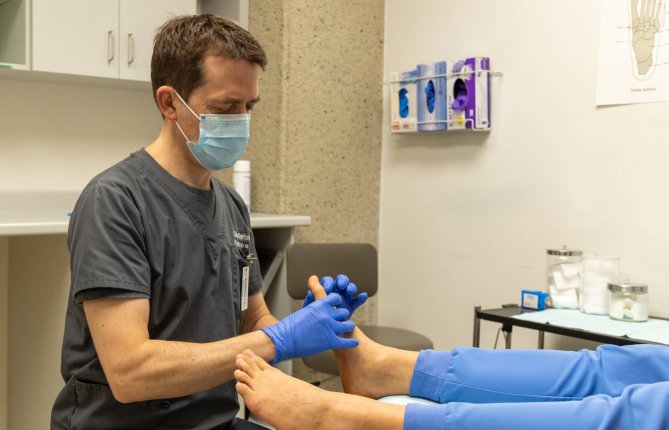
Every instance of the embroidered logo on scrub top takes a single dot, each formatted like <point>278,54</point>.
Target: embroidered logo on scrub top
<point>242,240</point>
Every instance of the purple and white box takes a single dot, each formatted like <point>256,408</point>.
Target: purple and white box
<point>468,94</point>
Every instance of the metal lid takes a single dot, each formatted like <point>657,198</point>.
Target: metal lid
<point>627,287</point>
<point>564,252</point>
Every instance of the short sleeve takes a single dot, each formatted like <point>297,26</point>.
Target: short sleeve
<point>106,240</point>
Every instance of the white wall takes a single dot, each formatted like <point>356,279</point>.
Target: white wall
<point>57,137</point>
<point>466,218</point>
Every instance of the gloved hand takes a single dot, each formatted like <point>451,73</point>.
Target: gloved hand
<point>344,288</point>
<point>312,329</point>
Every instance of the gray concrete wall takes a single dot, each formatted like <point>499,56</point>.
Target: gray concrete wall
<point>316,136</point>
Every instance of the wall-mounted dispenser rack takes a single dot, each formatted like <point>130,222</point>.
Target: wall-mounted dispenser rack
<point>442,96</point>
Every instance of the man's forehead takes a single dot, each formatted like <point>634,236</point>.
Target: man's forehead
<point>213,66</point>
<point>229,78</point>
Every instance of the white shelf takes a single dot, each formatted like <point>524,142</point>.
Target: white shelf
<point>35,212</point>
<point>260,220</point>
<point>46,212</point>
<point>28,223</point>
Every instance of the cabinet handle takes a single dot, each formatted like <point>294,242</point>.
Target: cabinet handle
<point>110,46</point>
<point>131,48</point>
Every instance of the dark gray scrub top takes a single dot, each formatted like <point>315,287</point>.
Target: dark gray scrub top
<point>136,231</point>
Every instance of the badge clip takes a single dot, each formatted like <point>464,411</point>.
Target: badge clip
<point>250,258</point>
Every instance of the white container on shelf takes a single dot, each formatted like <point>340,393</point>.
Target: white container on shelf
<point>241,180</point>
<point>598,271</point>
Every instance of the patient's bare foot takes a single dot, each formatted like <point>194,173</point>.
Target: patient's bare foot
<point>289,403</point>
<point>371,369</point>
<point>282,401</point>
<point>374,370</point>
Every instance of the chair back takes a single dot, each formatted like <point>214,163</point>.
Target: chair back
<point>358,261</point>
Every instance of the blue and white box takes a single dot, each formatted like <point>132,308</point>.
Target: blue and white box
<point>403,102</point>
<point>432,96</point>
<point>534,300</point>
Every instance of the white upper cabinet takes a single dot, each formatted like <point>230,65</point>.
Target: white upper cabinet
<point>139,20</point>
<point>77,37</point>
<point>102,38</point>
<point>92,42</point>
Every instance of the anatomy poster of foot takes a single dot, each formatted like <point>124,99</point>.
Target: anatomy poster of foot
<point>633,52</point>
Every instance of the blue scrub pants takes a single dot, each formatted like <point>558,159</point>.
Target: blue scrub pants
<point>611,388</point>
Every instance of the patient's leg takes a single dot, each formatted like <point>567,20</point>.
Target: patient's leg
<point>371,370</point>
<point>289,403</point>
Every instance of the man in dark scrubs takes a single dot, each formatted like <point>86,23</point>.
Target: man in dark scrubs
<point>165,286</point>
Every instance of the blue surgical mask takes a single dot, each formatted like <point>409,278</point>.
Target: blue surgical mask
<point>223,138</point>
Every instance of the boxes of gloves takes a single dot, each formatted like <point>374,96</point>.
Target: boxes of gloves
<point>442,96</point>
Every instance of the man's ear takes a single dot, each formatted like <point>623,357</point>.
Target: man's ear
<point>166,99</point>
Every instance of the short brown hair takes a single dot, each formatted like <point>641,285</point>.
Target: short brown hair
<point>183,42</point>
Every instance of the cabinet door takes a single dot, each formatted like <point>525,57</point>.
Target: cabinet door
<point>78,37</point>
<point>139,20</point>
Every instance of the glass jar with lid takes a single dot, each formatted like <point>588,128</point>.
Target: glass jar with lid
<point>563,276</point>
<point>629,301</point>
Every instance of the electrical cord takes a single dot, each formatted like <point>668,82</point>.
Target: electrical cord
<point>497,337</point>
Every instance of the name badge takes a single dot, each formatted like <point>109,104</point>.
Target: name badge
<point>245,288</point>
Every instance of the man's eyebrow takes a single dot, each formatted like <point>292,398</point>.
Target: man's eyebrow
<point>230,101</point>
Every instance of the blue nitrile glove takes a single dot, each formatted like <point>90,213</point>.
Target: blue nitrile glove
<point>344,288</point>
<point>312,329</point>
